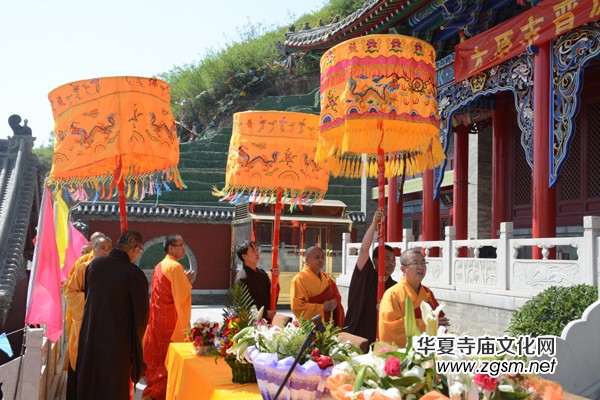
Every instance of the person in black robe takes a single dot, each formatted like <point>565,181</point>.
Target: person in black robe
<point>361,318</point>
<point>256,279</point>
<point>114,320</point>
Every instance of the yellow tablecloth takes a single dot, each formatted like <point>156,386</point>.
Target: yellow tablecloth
<point>199,378</point>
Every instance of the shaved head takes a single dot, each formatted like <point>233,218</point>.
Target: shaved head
<point>315,259</point>
<point>95,236</point>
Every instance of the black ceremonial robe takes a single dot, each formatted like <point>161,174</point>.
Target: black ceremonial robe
<point>361,318</point>
<point>113,325</point>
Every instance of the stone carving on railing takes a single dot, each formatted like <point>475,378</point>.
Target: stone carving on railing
<point>533,276</point>
<point>434,270</point>
<point>481,272</point>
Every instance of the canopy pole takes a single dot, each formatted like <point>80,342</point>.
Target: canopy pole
<point>122,199</point>
<point>275,253</point>
<point>381,228</point>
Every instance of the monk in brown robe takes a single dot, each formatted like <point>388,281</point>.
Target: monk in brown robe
<point>114,320</point>
<point>75,297</point>
<point>314,292</point>
<point>361,318</point>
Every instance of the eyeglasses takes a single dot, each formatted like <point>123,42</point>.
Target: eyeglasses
<point>178,245</point>
<point>416,263</point>
<point>141,248</point>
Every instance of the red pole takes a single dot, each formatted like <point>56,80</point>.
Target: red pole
<point>543,222</point>
<point>381,229</point>
<point>122,200</point>
<point>122,205</point>
<point>275,259</point>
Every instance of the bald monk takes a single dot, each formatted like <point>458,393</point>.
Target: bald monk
<point>86,257</point>
<point>74,294</point>
<point>392,310</point>
<point>314,292</point>
<point>170,314</point>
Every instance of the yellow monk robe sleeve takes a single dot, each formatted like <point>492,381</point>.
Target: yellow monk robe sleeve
<point>68,315</point>
<point>181,289</point>
<point>391,316</point>
<point>75,303</point>
<point>302,289</point>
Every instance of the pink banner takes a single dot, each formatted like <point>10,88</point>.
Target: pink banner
<point>44,304</point>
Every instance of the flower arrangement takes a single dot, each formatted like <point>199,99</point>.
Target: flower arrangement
<point>202,334</point>
<point>389,373</point>
<point>239,313</point>
<point>272,350</point>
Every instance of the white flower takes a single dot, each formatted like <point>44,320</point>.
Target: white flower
<point>430,317</point>
<point>506,388</point>
<point>456,390</point>
<point>342,368</point>
<point>416,371</point>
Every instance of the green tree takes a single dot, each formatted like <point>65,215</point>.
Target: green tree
<point>45,154</point>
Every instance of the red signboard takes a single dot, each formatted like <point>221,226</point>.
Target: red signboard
<point>547,20</point>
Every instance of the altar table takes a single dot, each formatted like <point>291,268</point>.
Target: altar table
<point>192,377</point>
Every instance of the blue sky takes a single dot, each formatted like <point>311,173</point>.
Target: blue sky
<point>45,44</point>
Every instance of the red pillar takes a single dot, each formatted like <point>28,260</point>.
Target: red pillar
<point>461,184</point>
<point>431,212</point>
<point>394,212</point>
<point>499,164</point>
<point>543,223</point>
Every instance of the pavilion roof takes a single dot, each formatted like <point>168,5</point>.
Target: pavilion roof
<point>441,23</point>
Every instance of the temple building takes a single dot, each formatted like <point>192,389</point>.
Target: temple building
<point>517,121</point>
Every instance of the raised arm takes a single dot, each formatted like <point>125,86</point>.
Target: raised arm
<point>365,246</point>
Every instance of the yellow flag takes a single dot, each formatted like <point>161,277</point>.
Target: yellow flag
<point>61,225</point>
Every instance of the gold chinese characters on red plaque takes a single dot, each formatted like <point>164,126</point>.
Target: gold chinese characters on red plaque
<point>544,22</point>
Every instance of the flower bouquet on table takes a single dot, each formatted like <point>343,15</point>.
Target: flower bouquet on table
<point>272,350</point>
<point>239,313</point>
<point>202,335</point>
<point>388,373</point>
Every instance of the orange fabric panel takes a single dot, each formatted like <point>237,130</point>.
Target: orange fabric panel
<point>104,121</point>
<point>271,149</point>
<point>379,90</point>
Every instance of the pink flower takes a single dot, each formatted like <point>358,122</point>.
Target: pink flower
<point>485,381</point>
<point>392,366</point>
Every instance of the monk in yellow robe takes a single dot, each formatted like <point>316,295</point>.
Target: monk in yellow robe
<point>75,297</point>
<point>392,309</point>
<point>170,314</point>
<point>314,292</point>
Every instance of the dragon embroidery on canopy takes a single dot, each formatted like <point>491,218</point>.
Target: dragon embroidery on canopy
<point>311,164</point>
<point>248,162</point>
<point>85,138</point>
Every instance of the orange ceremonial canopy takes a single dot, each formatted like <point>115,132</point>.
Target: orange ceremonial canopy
<point>379,91</point>
<point>271,150</point>
<point>111,129</point>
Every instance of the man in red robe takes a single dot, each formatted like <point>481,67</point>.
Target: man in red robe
<point>170,314</point>
<point>314,292</point>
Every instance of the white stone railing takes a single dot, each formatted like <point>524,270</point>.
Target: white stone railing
<point>505,281</point>
<point>26,376</point>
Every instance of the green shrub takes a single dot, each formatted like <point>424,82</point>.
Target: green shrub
<point>551,310</point>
